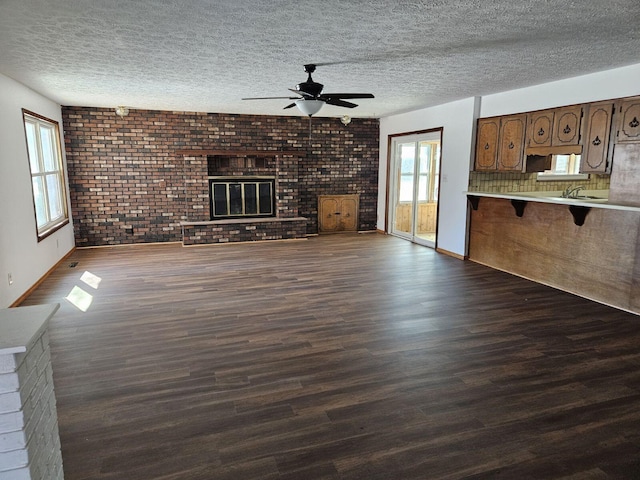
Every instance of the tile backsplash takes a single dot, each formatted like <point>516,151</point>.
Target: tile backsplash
<point>506,182</point>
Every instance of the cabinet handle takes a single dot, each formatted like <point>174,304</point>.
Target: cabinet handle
<point>634,123</point>
<point>486,147</point>
<point>596,141</point>
<point>348,215</point>
<point>511,146</point>
<point>541,132</point>
<point>567,129</point>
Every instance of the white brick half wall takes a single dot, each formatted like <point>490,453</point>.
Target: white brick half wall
<point>29,440</point>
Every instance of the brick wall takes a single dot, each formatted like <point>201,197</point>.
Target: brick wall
<point>129,185</point>
<point>29,439</point>
<point>237,231</point>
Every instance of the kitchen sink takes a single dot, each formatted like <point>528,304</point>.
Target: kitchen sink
<point>585,198</point>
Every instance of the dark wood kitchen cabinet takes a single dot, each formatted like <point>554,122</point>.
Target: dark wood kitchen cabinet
<point>500,143</point>
<point>338,213</point>
<point>597,149</point>
<point>628,125</point>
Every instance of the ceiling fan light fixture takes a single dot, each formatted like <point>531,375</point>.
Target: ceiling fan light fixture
<point>309,107</point>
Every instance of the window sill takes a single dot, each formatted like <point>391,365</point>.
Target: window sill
<point>54,228</point>
<point>561,178</point>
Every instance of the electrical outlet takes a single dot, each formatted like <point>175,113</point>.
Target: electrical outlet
<point>10,278</point>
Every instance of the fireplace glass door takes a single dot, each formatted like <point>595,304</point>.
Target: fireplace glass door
<point>233,198</point>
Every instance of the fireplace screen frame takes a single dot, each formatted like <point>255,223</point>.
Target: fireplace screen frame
<point>243,197</point>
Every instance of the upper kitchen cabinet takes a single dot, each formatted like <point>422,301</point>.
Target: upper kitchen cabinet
<point>511,143</point>
<point>500,143</point>
<point>596,151</point>
<point>566,126</point>
<point>540,127</point>
<point>487,144</point>
<point>554,131</point>
<point>628,127</point>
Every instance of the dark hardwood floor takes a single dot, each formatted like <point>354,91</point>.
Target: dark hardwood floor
<point>338,357</point>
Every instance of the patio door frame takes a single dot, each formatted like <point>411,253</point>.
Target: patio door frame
<point>391,183</point>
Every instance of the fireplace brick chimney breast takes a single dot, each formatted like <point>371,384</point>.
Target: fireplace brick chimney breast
<point>129,183</point>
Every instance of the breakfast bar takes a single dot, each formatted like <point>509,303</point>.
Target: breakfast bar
<point>585,246</point>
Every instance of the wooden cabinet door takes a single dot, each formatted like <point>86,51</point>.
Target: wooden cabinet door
<point>511,143</point>
<point>540,126</point>
<point>349,213</point>
<point>628,128</point>
<point>338,213</point>
<point>566,126</point>
<point>487,144</point>
<point>327,219</point>
<point>597,129</point>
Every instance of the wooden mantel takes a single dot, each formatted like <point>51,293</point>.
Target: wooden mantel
<point>240,153</point>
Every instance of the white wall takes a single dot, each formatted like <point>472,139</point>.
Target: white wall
<point>20,252</point>
<point>458,122</point>
<point>616,83</point>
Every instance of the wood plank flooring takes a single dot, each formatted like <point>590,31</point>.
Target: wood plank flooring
<point>338,357</point>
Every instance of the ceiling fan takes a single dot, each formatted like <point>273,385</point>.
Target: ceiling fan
<point>310,98</point>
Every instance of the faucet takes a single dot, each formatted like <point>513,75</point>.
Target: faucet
<point>572,192</point>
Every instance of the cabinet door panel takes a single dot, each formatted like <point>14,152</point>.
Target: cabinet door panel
<point>596,137</point>
<point>566,126</point>
<point>487,143</point>
<point>338,213</point>
<point>540,125</point>
<point>511,149</point>
<point>349,214</point>
<point>327,209</point>
<point>629,121</point>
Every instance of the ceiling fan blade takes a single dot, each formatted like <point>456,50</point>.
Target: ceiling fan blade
<point>269,98</point>
<point>301,93</point>
<point>347,95</point>
<point>339,103</point>
<point>290,105</point>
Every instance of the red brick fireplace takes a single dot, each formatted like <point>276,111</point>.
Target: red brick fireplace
<point>202,165</point>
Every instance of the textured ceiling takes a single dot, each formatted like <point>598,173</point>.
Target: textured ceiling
<point>197,55</point>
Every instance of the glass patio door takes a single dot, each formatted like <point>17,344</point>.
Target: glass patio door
<point>414,189</point>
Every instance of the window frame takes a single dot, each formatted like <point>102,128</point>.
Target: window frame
<point>574,168</point>
<point>52,224</point>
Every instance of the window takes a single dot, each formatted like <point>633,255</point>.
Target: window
<point>47,174</point>
<point>429,171</point>
<point>563,167</point>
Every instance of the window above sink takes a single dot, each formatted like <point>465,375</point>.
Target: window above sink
<point>563,168</point>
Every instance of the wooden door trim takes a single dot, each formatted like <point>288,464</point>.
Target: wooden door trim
<point>390,139</point>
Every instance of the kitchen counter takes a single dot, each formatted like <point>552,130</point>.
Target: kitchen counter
<point>556,197</point>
